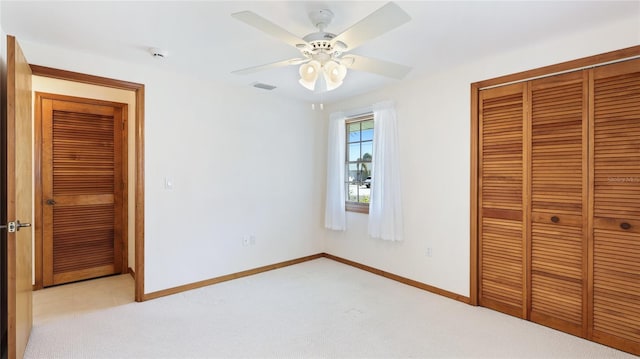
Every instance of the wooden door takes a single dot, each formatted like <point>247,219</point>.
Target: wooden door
<point>83,188</point>
<point>559,189</point>
<point>502,283</point>
<point>19,198</point>
<point>615,119</point>
<point>577,161</point>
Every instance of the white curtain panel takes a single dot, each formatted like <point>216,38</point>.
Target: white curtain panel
<point>334,213</point>
<point>385,207</point>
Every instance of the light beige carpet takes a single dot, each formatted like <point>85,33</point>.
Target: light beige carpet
<point>317,309</point>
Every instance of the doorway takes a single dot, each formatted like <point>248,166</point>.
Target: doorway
<point>135,202</point>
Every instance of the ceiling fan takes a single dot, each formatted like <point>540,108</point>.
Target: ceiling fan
<point>326,56</point>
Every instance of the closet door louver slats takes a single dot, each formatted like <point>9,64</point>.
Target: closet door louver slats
<point>82,185</point>
<point>83,165</point>
<point>558,152</point>
<point>557,180</point>
<point>616,177</point>
<point>501,167</point>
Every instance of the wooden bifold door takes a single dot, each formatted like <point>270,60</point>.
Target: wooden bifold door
<point>83,188</point>
<point>558,211</point>
<point>615,174</point>
<point>558,201</point>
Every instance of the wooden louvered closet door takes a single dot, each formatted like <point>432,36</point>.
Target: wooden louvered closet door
<point>82,189</point>
<point>615,120</point>
<point>558,206</point>
<point>558,257</point>
<point>502,250</point>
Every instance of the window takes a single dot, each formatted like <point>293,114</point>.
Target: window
<point>359,156</point>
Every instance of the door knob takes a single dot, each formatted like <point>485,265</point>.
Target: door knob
<point>20,225</point>
<point>14,226</point>
<point>51,202</point>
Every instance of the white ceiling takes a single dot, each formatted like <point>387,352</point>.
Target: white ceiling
<point>204,40</point>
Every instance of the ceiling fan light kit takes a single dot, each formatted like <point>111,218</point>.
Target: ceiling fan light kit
<point>309,74</point>
<point>332,73</point>
<point>323,67</point>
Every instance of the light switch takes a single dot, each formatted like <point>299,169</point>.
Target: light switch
<point>168,183</point>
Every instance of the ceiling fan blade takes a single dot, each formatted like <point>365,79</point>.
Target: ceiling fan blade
<point>272,65</point>
<point>384,68</point>
<point>377,23</point>
<point>260,23</point>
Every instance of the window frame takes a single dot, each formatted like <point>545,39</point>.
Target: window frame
<point>351,206</point>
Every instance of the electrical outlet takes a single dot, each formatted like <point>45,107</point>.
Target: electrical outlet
<point>429,252</point>
<point>249,240</point>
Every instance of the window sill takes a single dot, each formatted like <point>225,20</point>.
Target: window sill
<point>357,207</point>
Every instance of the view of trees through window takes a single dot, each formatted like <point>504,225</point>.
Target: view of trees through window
<point>359,156</point>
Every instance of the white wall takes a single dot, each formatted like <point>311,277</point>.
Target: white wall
<point>243,162</point>
<point>434,128</point>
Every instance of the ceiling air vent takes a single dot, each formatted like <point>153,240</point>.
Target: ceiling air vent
<point>263,86</point>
